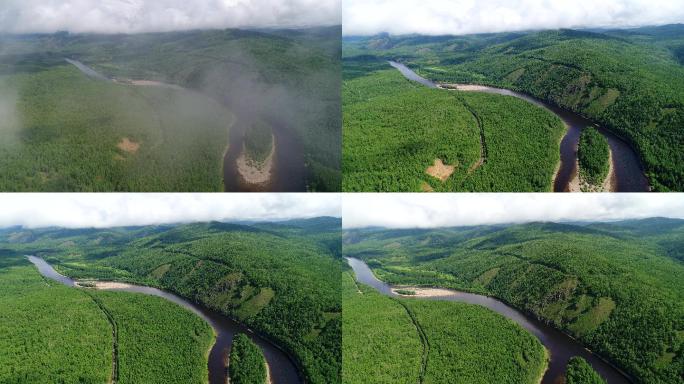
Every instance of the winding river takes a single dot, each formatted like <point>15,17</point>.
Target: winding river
<point>288,173</point>
<point>561,347</point>
<point>628,172</point>
<point>282,368</point>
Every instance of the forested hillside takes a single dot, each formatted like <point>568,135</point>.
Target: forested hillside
<point>399,135</point>
<point>281,279</point>
<point>59,334</point>
<point>388,340</point>
<point>290,78</point>
<point>617,287</point>
<point>629,81</point>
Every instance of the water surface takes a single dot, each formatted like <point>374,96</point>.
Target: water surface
<point>628,172</point>
<point>282,368</point>
<point>561,347</point>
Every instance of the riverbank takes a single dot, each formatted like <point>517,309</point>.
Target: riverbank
<point>561,346</point>
<point>252,172</point>
<point>578,184</point>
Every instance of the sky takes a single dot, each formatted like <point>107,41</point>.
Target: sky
<point>102,210</point>
<point>459,17</point>
<point>135,16</point>
<point>407,210</point>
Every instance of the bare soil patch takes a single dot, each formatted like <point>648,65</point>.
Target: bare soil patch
<point>423,292</point>
<point>127,145</point>
<point>254,173</point>
<point>440,170</point>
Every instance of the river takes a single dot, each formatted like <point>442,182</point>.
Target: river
<point>282,368</point>
<point>288,173</point>
<point>561,347</point>
<point>628,172</point>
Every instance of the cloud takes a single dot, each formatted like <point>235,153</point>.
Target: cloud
<point>134,16</point>
<point>441,210</point>
<point>458,17</point>
<point>122,209</point>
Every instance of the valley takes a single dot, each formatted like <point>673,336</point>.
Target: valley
<point>626,82</point>
<point>610,287</point>
<point>271,281</point>
<point>91,112</point>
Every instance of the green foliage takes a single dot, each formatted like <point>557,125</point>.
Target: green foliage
<point>615,287</point>
<point>593,155</point>
<point>259,141</point>
<point>630,82</point>
<point>50,332</point>
<point>472,344</point>
<point>73,129</point>
<point>247,364</point>
<point>379,340</point>
<point>281,279</point>
<point>395,129</point>
<point>54,333</point>
<point>158,341</point>
<point>288,77</point>
<point>580,372</point>
<point>399,341</point>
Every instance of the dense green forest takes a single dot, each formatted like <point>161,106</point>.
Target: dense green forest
<point>395,129</point>
<point>59,334</point>
<point>616,287</point>
<point>79,134</point>
<point>63,127</point>
<point>281,279</point>
<point>386,340</point>
<point>593,155</point>
<point>258,141</point>
<point>247,364</point>
<point>580,372</point>
<point>629,81</point>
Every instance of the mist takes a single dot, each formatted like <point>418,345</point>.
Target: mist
<point>10,119</point>
<point>101,210</point>
<point>410,210</point>
<point>459,17</point>
<point>136,16</point>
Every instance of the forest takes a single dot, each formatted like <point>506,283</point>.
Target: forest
<point>59,334</point>
<point>280,279</point>
<point>64,131</point>
<point>258,141</point>
<point>630,82</point>
<point>593,155</point>
<point>401,136</point>
<point>616,287</point>
<point>247,364</point>
<point>388,340</point>
<point>580,372</point>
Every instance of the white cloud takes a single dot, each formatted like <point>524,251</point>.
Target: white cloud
<point>458,17</point>
<point>133,16</point>
<point>461,209</point>
<point>121,209</point>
